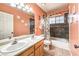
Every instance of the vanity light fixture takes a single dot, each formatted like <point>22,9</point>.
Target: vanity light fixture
<point>19,7</point>
<point>22,6</point>
<point>24,9</point>
<point>27,7</point>
<point>43,4</point>
<point>13,4</point>
<point>29,10</point>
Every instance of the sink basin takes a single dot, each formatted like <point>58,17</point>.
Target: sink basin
<point>15,47</point>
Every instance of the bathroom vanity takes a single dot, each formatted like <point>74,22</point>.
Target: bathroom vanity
<point>35,50</point>
<point>25,47</point>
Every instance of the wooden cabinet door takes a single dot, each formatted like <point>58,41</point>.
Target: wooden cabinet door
<point>37,52</point>
<point>41,50</point>
<point>28,52</point>
<point>32,54</point>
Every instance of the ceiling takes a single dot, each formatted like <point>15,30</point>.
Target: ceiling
<point>50,6</point>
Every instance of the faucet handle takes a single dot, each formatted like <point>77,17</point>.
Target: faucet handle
<point>15,39</point>
<point>9,37</point>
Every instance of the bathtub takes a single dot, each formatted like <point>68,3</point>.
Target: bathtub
<point>59,43</point>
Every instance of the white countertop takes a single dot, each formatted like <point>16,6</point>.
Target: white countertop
<point>31,43</point>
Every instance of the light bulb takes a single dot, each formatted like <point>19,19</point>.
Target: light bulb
<point>13,4</point>
<point>19,7</point>
<point>28,10</point>
<point>26,7</point>
<point>22,5</point>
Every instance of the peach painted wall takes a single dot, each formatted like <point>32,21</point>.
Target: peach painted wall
<point>74,38</point>
<point>74,32</point>
<point>73,28</point>
<point>38,12</point>
<point>19,28</point>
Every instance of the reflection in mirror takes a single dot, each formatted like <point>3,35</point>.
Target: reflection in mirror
<point>32,26</point>
<point>13,19</point>
<point>6,25</point>
<point>18,17</point>
<point>22,21</point>
<point>25,24</point>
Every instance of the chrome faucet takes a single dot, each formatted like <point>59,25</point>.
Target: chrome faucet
<point>11,36</point>
<point>14,42</point>
<point>32,36</point>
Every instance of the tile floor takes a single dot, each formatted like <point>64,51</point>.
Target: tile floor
<point>55,51</point>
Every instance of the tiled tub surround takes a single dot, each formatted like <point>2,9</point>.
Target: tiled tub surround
<point>28,39</point>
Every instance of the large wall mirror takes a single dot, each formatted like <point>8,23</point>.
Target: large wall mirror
<point>6,24</point>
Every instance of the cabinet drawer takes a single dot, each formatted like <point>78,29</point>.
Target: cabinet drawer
<point>37,45</point>
<point>28,52</point>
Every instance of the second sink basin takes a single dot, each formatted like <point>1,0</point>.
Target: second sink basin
<point>15,47</point>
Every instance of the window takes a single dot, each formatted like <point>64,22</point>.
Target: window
<point>61,19</point>
<point>57,20</point>
<point>52,20</point>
